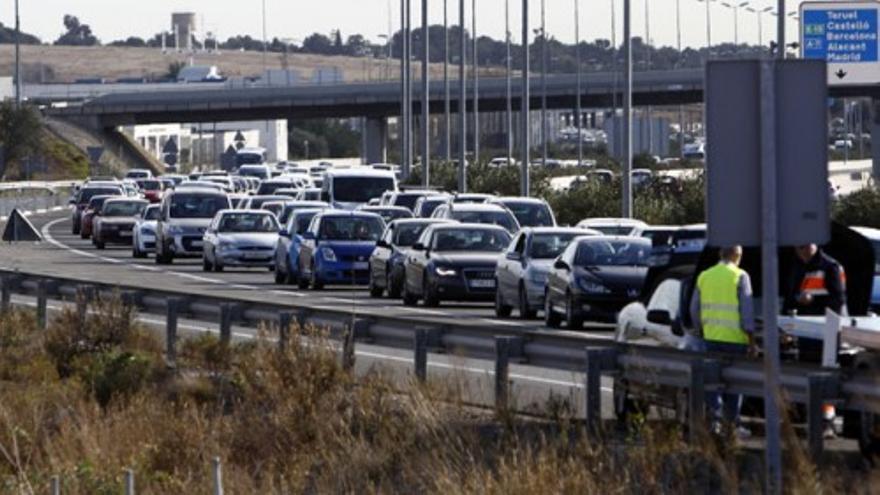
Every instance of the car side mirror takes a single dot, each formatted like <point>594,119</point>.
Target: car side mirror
<point>382,243</point>
<point>418,247</point>
<point>561,265</point>
<point>659,317</point>
<point>284,233</point>
<point>514,256</point>
<point>71,202</point>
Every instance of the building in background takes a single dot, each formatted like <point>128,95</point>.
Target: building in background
<point>183,26</point>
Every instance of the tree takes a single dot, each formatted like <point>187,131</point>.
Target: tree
<point>20,135</point>
<point>77,34</point>
<point>7,36</point>
<point>174,69</point>
<point>131,41</point>
<point>319,44</point>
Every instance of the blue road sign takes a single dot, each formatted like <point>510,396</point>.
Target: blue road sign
<point>841,35</point>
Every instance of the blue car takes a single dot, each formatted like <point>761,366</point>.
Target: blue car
<point>289,243</point>
<point>336,248</point>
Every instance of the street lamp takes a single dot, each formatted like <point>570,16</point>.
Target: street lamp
<point>476,67</point>
<point>447,123</point>
<point>708,27</point>
<point>509,88</point>
<point>525,104</point>
<point>462,101</point>
<point>734,7</point>
<point>426,87</point>
<point>577,43</point>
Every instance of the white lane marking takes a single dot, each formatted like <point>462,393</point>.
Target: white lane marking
<point>421,311</point>
<point>287,293</point>
<point>502,322</point>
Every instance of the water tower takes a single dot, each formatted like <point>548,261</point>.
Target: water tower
<point>183,25</point>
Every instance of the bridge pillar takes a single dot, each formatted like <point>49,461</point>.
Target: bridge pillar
<point>375,137</point>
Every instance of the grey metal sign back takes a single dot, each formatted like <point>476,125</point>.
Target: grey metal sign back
<point>733,141</point>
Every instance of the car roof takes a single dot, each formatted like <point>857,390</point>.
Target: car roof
<point>124,199</point>
<point>360,172</point>
<point>478,207</point>
<point>560,230</point>
<point>426,221</point>
<point>346,213</point>
<point>470,226</point>
<point>384,208</point>
<point>869,233</point>
<point>613,221</point>
<point>516,199</point>
<point>253,211</point>
<point>622,238</point>
<point>198,191</point>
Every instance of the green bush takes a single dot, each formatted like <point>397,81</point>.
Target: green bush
<point>861,208</point>
<point>116,374</point>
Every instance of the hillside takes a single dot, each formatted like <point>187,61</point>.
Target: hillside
<point>67,63</point>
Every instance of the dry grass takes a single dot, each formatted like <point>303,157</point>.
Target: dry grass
<point>87,399</point>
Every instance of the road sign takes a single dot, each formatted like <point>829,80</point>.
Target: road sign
<point>95,153</point>
<point>19,228</point>
<point>170,147</point>
<point>847,36</point>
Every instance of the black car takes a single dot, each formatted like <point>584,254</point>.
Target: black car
<point>386,262</point>
<point>388,213</point>
<point>595,277</point>
<point>454,262</point>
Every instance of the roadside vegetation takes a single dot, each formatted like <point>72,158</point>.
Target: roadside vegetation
<point>93,396</point>
<point>29,151</point>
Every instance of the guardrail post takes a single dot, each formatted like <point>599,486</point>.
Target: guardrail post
<point>597,361</point>
<point>348,352</point>
<point>218,476</point>
<point>696,400</point>
<point>42,317</point>
<point>284,320</point>
<point>225,324</point>
<point>172,308</point>
<point>420,360</point>
<point>820,388</point>
<point>502,372</point>
<point>129,482</point>
<point>6,295</point>
<point>55,487</point>
<point>84,296</point>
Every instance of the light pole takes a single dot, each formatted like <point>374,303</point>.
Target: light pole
<point>525,104</point>
<point>614,54</point>
<point>577,53</point>
<point>462,101</point>
<point>426,87</point>
<point>509,88</point>
<point>680,107</point>
<point>265,43</point>
<point>543,84</point>
<point>402,123</point>
<point>734,7</point>
<point>627,111</point>
<point>647,37</point>
<point>476,67</point>
<point>780,29</point>
<point>407,166</point>
<point>708,28</point>
<point>17,57</point>
<point>447,123</point>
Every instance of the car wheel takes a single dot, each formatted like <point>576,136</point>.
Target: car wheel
<point>280,275</point>
<point>374,290</point>
<point>525,311</point>
<point>551,319</point>
<point>75,228</point>
<point>501,310</point>
<point>100,244</point>
<point>393,288</point>
<point>206,265</point>
<point>302,282</point>
<point>316,282</point>
<point>429,294</point>
<point>573,317</point>
<point>409,299</point>
<point>137,253</point>
<point>83,235</point>
<point>290,278</point>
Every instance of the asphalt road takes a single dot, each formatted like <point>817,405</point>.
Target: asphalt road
<point>63,254</point>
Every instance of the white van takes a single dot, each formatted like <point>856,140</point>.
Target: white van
<point>349,188</point>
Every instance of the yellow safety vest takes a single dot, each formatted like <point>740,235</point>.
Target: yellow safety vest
<point>719,304</point>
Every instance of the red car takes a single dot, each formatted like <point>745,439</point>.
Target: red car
<point>88,216</point>
<point>152,189</point>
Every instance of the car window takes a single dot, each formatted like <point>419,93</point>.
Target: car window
<point>87,194</point>
<point>549,246</point>
<point>151,213</point>
<point>123,209</point>
<point>351,228</point>
<point>501,218</point>
<point>667,296</point>
<point>613,253</point>
<point>247,222</point>
<point>407,235</point>
<point>428,206</point>
<point>531,214</point>
<point>303,221</point>
<point>480,240</point>
<point>520,244</point>
<point>407,200</point>
<point>197,206</point>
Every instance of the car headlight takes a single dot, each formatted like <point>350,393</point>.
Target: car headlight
<point>225,246</point>
<point>328,254</point>
<point>445,272</point>
<point>175,230</point>
<point>537,277</point>
<point>591,287</point>
<point>147,231</point>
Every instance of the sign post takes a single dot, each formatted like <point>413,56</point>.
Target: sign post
<point>847,36</point>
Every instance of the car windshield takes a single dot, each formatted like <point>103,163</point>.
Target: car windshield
<point>260,172</point>
<point>303,220</point>
<point>313,195</point>
<point>271,187</point>
<point>407,200</point>
<point>613,253</point>
<point>87,194</point>
<point>95,203</point>
<point>549,246</point>
<point>151,213</point>
<point>123,209</point>
<point>274,207</point>
<point>248,158</point>
<point>197,206</point>
<point>247,222</point>
<point>429,205</point>
<point>360,189</point>
<point>407,234</point>
<point>613,229</point>
<point>390,214</point>
<point>257,203</point>
<point>351,228</point>
<point>149,185</point>
<point>531,214</point>
<point>501,218</point>
<point>480,240</point>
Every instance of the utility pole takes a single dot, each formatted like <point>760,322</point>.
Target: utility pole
<point>426,87</point>
<point>617,130</point>
<point>462,101</point>
<point>543,84</point>
<point>446,104</point>
<point>402,123</point>
<point>780,29</point>
<point>525,104</point>
<point>577,42</point>
<point>509,116</point>
<point>265,42</point>
<point>708,29</point>
<point>476,66</point>
<point>627,111</point>
<point>17,57</point>
<point>680,107</point>
<point>407,165</point>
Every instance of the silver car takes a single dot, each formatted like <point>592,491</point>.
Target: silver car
<point>144,232</point>
<point>522,270</point>
<point>241,238</point>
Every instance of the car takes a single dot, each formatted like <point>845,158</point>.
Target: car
<point>478,213</point>
<point>87,220</point>
<point>199,184</point>
<point>177,179</point>
<point>309,194</point>
<point>292,206</point>
<point>386,262</point>
<point>238,200</point>
<point>614,226</point>
<point>116,220</point>
<point>250,156</point>
<point>388,213</point>
<point>347,189</point>
<point>81,199</point>
<point>143,239</point>
<point>529,212</point>
<point>426,205</point>
<point>224,181</point>
<point>408,197</point>
<point>336,248</point>
<point>873,236</point>
<point>472,198</point>
<point>262,172</point>
<point>453,262</point>
<point>130,188</point>
<point>241,185</point>
<point>256,202</point>
<point>269,186</point>
<point>290,239</point>
<point>595,277</point>
<point>275,207</point>
<point>184,217</point>
<point>521,273</point>
<point>139,173</point>
<point>240,238</point>
<point>152,189</point>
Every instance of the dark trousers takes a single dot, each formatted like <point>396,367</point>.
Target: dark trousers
<point>725,406</point>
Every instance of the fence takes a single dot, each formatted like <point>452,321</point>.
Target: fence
<point>642,366</point>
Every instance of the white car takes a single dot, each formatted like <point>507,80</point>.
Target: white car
<point>614,226</point>
<point>144,232</point>
<point>240,238</point>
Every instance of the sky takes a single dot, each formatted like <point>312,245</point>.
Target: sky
<point>295,19</point>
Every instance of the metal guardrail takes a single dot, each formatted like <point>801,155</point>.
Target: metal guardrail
<point>646,366</point>
<point>33,196</point>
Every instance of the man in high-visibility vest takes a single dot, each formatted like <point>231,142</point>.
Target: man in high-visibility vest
<point>723,310</point>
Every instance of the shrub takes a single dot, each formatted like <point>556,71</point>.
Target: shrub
<point>115,374</point>
<point>860,208</point>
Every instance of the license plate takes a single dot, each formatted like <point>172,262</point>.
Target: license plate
<point>361,265</point>
<point>125,233</point>
<point>196,244</point>
<point>254,256</point>
<point>483,283</point>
